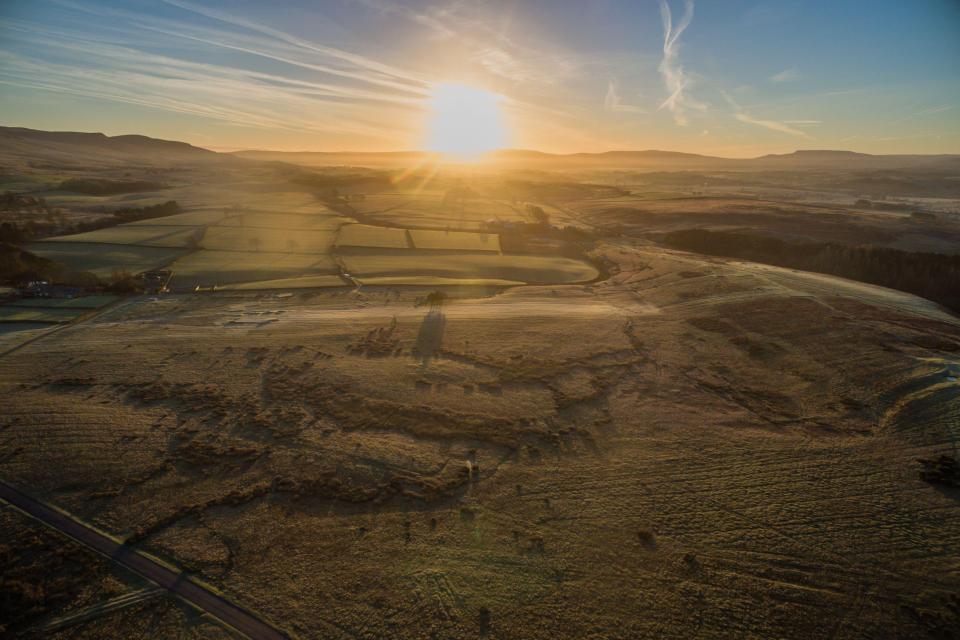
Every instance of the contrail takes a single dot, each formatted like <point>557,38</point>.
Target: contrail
<point>671,69</point>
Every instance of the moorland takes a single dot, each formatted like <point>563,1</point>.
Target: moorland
<point>636,394</point>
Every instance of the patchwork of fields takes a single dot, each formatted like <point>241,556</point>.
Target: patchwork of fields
<point>423,241</point>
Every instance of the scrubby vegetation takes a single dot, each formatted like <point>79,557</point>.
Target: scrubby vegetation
<point>56,224</point>
<point>17,265</point>
<point>42,573</point>
<point>943,471</point>
<point>22,202</point>
<point>931,275</point>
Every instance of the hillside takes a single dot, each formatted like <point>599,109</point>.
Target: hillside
<point>70,149</point>
<point>653,160</point>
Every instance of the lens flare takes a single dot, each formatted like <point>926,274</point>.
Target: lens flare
<point>465,122</point>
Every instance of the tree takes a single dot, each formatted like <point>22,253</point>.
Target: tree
<point>538,215</point>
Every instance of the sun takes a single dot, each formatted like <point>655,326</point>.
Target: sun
<point>465,122</point>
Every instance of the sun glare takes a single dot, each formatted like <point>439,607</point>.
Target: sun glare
<point>465,122</point>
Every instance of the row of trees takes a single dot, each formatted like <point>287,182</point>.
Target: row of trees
<point>55,223</point>
<point>17,265</point>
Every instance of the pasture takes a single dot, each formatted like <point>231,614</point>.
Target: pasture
<point>155,235</point>
<point>399,266</point>
<point>455,240</point>
<point>277,240</point>
<point>362,235</point>
<point>301,282</point>
<point>103,259</point>
<point>207,268</point>
<point>247,239</point>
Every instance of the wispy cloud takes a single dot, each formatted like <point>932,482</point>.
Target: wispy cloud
<point>492,48</point>
<point>339,54</point>
<point>786,126</point>
<point>933,110</point>
<point>773,125</point>
<point>613,102</point>
<point>674,75</point>
<point>786,75</point>
<point>331,97</point>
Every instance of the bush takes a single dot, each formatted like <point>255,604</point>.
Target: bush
<point>123,282</point>
<point>17,265</point>
<point>943,470</point>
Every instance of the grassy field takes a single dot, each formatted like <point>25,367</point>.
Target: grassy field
<point>455,240</point>
<point>248,232</point>
<point>277,240</point>
<point>302,282</point>
<point>103,259</point>
<point>431,209</point>
<point>49,314</point>
<point>468,266</point>
<point>362,235</point>
<point>469,217</point>
<point>188,219</point>
<point>289,221</point>
<point>210,267</point>
<point>156,235</point>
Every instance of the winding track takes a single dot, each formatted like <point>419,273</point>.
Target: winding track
<point>170,579</point>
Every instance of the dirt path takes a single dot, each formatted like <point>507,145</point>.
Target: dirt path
<point>174,581</point>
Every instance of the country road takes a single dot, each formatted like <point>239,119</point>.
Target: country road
<point>176,582</point>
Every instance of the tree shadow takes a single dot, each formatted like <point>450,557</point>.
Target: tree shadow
<point>430,336</point>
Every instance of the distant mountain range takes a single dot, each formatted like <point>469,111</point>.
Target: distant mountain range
<point>19,145</point>
<point>648,160</point>
<point>90,150</point>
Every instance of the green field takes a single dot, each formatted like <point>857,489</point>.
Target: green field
<point>362,235</point>
<point>468,266</point>
<point>303,282</point>
<point>381,201</point>
<point>207,268</point>
<point>434,212</point>
<point>455,240</point>
<point>188,219</point>
<point>267,240</point>
<point>144,234</point>
<point>21,314</point>
<point>103,259</point>
<point>437,281</point>
<point>277,240</point>
<point>290,221</point>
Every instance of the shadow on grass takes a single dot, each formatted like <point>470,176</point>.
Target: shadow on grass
<point>430,336</point>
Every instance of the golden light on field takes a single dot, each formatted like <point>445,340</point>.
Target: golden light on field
<point>465,122</point>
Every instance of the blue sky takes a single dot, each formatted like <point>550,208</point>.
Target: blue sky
<point>725,77</point>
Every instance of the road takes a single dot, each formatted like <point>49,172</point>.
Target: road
<point>176,582</point>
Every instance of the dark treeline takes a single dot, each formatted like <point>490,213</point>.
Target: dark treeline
<point>33,229</point>
<point>131,214</point>
<point>17,265</point>
<point>13,201</point>
<point>933,276</point>
<point>104,187</point>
